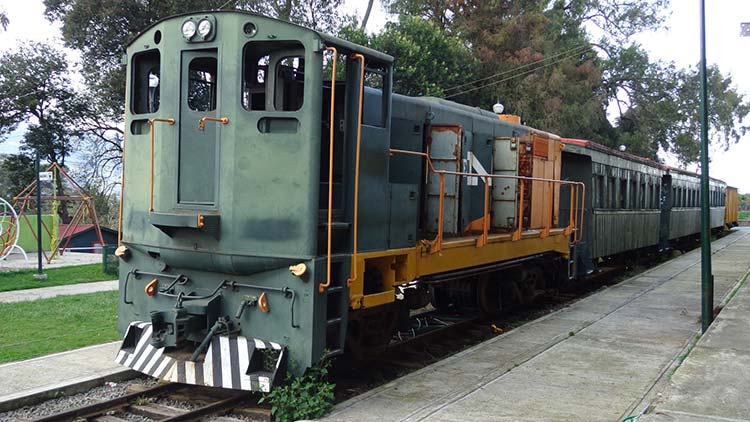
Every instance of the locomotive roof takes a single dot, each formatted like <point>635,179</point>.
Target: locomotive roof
<point>330,39</point>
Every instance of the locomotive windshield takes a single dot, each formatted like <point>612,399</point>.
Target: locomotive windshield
<point>273,76</point>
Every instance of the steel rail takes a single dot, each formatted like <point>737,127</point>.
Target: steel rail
<point>104,406</point>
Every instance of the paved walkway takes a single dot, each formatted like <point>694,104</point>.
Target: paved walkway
<point>713,382</point>
<point>600,359</point>
<point>33,380</point>
<point>15,260</point>
<point>52,291</point>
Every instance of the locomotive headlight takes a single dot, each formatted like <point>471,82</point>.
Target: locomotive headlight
<point>204,28</point>
<point>188,29</point>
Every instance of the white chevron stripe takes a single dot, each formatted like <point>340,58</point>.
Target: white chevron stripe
<point>244,362</point>
<point>145,337</point>
<point>190,372</point>
<point>208,367</point>
<point>120,357</point>
<point>152,362</point>
<point>142,360</point>
<point>164,363</point>
<point>278,362</point>
<point>276,346</point>
<point>226,362</point>
<point>259,344</point>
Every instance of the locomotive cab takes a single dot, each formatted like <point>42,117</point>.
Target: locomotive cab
<point>229,121</point>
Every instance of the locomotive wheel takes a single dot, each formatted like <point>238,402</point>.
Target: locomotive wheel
<point>530,286</point>
<point>369,333</point>
<point>489,296</point>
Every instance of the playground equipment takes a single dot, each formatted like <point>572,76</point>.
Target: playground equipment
<point>78,195</point>
<point>9,229</point>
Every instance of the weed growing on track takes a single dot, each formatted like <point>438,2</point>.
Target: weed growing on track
<point>306,397</point>
<point>40,327</point>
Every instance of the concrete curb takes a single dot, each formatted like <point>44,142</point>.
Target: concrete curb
<point>38,395</point>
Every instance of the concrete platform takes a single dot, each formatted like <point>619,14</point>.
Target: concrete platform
<point>34,380</point>
<point>713,382</point>
<point>15,260</point>
<point>52,291</point>
<point>602,358</point>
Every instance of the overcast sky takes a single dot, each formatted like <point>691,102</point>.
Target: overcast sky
<point>679,43</point>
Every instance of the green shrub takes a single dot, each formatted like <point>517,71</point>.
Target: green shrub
<point>306,397</point>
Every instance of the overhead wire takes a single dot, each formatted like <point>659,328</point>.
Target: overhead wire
<point>524,73</point>
<point>580,47</point>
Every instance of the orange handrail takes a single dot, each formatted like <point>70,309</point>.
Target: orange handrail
<point>353,274</point>
<point>436,244</point>
<point>325,285</point>
<point>517,234</point>
<point>122,193</point>
<point>151,177</point>
<point>203,120</point>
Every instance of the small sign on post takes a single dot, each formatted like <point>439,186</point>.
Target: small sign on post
<point>45,176</point>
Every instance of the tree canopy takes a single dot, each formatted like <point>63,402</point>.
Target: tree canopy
<point>566,66</point>
<point>560,64</point>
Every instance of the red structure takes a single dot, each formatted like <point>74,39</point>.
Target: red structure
<point>24,200</point>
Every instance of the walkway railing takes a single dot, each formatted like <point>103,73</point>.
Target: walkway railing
<point>577,204</point>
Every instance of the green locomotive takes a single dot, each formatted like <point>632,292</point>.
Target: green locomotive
<point>281,205</point>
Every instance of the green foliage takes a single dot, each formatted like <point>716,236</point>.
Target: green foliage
<point>665,113</point>
<point>744,201</point>
<point>306,397</point>
<point>37,91</point>
<point>57,324</point>
<point>426,60</point>
<point>23,279</point>
<point>16,172</point>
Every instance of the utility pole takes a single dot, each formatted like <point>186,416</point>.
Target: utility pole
<point>707,279</point>
<point>39,274</point>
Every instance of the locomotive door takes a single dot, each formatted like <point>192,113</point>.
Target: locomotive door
<point>197,149</point>
<point>444,150</point>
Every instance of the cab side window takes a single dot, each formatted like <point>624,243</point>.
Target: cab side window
<point>146,82</point>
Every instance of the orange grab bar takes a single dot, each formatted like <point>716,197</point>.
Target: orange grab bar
<point>203,120</point>
<point>325,285</point>
<point>151,177</point>
<point>122,193</point>
<point>436,244</point>
<point>353,275</point>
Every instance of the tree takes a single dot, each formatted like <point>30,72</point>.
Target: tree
<point>4,21</point>
<point>666,114</point>
<point>38,93</point>
<point>16,172</point>
<point>426,61</point>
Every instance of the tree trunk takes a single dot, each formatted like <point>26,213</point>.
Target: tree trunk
<point>367,14</point>
<point>62,208</point>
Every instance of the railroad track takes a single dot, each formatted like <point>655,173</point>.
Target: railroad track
<point>205,402</point>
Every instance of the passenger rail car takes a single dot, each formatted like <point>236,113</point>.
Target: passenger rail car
<point>281,205</point>
<point>635,203</point>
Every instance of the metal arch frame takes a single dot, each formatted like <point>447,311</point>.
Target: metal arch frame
<point>28,194</point>
<point>7,250</point>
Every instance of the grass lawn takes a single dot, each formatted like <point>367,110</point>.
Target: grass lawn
<point>40,327</point>
<point>744,215</point>
<point>24,279</point>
